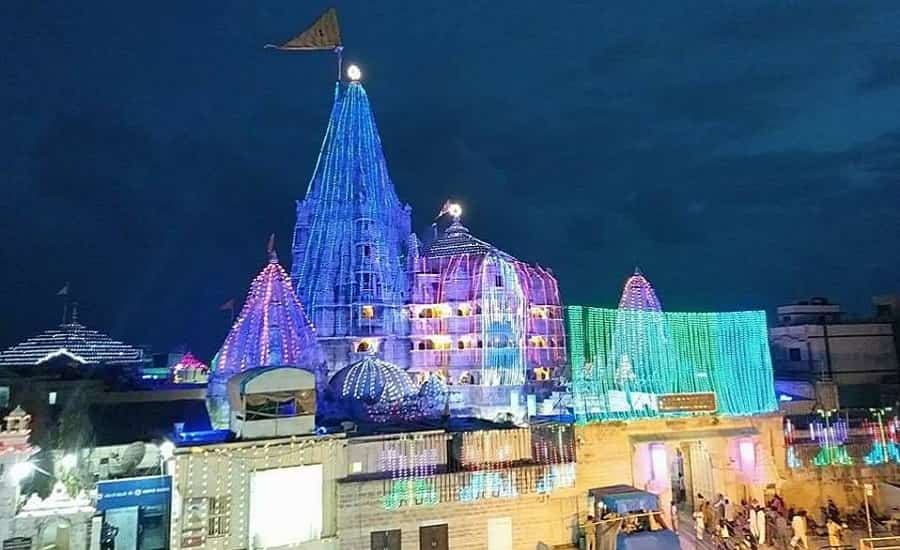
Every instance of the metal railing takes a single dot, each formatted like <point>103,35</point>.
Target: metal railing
<point>880,543</point>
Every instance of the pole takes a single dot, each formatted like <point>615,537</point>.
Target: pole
<point>340,60</point>
<point>866,488</point>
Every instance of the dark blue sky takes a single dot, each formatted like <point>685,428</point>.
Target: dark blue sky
<point>744,153</point>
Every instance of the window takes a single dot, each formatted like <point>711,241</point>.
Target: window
<point>51,398</point>
<point>367,312</point>
<point>4,396</point>
<point>367,251</point>
<point>498,280</point>
<point>386,540</point>
<point>219,516</point>
<point>794,354</point>
<point>461,345</point>
<point>367,281</point>
<point>362,347</point>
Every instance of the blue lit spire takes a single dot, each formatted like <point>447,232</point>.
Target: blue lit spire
<point>351,240</point>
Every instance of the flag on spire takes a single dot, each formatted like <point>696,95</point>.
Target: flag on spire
<point>324,34</point>
<point>64,291</point>
<point>444,209</point>
<point>227,306</point>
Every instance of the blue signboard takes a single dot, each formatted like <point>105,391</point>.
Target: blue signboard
<point>135,491</point>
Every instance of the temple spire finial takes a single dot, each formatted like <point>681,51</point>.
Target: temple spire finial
<point>270,249</point>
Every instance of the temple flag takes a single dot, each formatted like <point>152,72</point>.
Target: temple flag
<point>324,34</point>
<point>227,306</point>
<point>444,209</point>
<point>64,291</point>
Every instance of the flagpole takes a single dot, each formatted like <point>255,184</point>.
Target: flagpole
<point>340,60</point>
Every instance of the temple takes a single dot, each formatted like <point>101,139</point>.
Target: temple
<point>638,361</point>
<point>72,343</point>
<point>480,316</point>
<point>350,240</point>
<point>271,330</point>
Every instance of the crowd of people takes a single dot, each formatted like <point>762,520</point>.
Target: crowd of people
<point>772,523</point>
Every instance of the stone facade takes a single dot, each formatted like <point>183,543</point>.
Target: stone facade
<point>608,454</point>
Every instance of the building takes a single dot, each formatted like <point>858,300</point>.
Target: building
<point>349,252</point>
<point>47,371</point>
<point>815,341</point>
<point>271,330</point>
<point>480,316</point>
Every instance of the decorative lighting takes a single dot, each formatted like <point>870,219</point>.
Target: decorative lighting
<point>455,211</point>
<point>354,73</point>
<point>747,453</point>
<point>352,234</point>
<point>623,360</point>
<point>659,462</point>
<point>20,471</point>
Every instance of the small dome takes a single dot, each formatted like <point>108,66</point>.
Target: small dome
<point>433,387</point>
<point>372,381</point>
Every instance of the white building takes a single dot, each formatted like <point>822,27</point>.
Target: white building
<point>814,340</point>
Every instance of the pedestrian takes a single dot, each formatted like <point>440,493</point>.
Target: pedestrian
<point>730,512</point>
<point>709,517</point>
<point>777,504</point>
<point>832,511</point>
<point>698,524</point>
<point>799,526</point>
<point>590,533</point>
<point>834,532</point>
<point>782,537</point>
<point>759,517</point>
<point>719,508</point>
<point>673,509</point>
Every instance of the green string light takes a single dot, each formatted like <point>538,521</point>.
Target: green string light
<point>623,360</point>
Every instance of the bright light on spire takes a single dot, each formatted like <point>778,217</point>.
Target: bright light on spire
<point>455,211</point>
<point>354,73</point>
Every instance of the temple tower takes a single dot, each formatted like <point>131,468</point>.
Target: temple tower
<point>351,241</point>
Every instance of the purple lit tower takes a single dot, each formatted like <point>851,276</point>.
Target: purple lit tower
<point>271,330</point>
<point>350,241</point>
<point>638,294</point>
<point>480,316</point>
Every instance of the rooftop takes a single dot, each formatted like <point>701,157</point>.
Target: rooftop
<point>72,342</point>
<point>457,240</point>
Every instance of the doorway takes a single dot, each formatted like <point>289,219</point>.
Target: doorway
<point>434,537</point>
<point>678,479</point>
<point>698,472</point>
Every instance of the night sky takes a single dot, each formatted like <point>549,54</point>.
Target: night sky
<point>745,154</point>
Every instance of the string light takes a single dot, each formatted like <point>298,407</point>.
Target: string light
<point>488,318</point>
<point>623,360</point>
<point>271,330</point>
<point>351,236</point>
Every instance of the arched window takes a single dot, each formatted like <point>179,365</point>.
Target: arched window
<point>363,346</point>
<point>461,345</point>
<point>421,345</point>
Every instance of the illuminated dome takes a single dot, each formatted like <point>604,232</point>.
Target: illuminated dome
<point>433,387</point>
<point>373,381</point>
<point>638,294</point>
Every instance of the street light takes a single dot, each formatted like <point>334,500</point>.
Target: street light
<point>21,470</point>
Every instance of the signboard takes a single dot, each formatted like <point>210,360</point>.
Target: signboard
<point>135,491</point>
<point>687,402</point>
